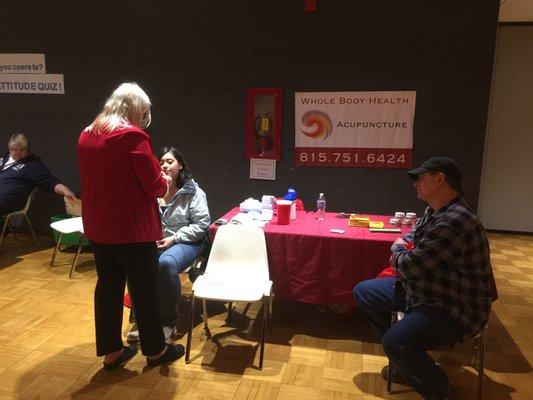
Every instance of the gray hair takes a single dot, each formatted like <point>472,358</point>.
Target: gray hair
<point>19,138</point>
<point>128,104</point>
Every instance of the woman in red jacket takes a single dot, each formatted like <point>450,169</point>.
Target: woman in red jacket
<point>121,181</point>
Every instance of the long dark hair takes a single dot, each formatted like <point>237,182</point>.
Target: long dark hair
<point>184,175</point>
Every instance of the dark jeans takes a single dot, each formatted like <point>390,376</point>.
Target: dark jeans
<point>406,342</point>
<point>137,263</point>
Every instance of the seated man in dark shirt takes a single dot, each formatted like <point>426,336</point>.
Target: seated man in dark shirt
<point>443,286</point>
<point>21,172</point>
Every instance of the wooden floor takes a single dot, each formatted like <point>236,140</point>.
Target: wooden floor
<point>47,342</point>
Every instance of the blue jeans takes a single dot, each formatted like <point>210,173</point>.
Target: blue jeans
<point>172,261</point>
<point>405,343</point>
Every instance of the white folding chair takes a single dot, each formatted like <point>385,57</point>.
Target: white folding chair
<point>66,226</point>
<point>237,270</point>
<point>23,212</point>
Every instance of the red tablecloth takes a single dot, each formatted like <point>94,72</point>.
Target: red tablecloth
<point>310,264</point>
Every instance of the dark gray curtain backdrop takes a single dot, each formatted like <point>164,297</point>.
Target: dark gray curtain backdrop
<point>195,59</point>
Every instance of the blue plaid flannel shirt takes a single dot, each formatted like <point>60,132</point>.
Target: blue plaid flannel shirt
<point>449,267</point>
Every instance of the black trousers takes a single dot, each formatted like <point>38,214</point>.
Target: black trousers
<point>137,263</point>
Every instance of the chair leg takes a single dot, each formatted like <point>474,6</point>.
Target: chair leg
<point>189,331</point>
<point>3,230</point>
<point>389,378</point>
<point>80,245</point>
<point>204,306</point>
<point>12,229</point>
<point>481,360</point>
<point>230,310</point>
<point>32,232</point>
<point>270,323</point>
<point>263,330</point>
<point>393,320</point>
<point>53,260</point>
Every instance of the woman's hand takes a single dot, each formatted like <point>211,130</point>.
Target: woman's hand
<point>168,178</point>
<point>165,243</point>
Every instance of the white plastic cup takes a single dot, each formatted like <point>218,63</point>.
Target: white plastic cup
<point>399,214</point>
<point>410,215</point>
<point>293,210</point>
<point>394,221</point>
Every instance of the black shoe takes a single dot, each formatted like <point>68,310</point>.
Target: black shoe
<point>128,353</point>
<point>172,353</point>
<point>396,377</point>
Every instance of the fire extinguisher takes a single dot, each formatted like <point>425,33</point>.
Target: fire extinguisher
<point>263,133</point>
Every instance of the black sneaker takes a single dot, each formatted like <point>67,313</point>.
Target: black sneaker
<point>172,353</point>
<point>128,352</point>
<point>396,377</point>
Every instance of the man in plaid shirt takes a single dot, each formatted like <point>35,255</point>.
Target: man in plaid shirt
<point>443,287</point>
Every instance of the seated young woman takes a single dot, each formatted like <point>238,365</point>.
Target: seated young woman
<point>185,220</point>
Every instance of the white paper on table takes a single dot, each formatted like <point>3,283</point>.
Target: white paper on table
<point>266,215</point>
<point>241,218</point>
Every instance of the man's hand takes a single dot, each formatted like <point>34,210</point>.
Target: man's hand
<point>400,242</point>
<point>64,191</point>
<point>165,243</point>
<point>398,246</point>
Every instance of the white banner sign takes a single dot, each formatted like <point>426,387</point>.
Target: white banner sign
<point>32,83</point>
<point>22,64</point>
<point>354,129</point>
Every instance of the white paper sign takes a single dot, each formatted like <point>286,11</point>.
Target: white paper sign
<point>22,64</point>
<point>262,169</point>
<point>354,129</point>
<point>32,83</point>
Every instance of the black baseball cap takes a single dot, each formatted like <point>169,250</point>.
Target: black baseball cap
<point>446,165</point>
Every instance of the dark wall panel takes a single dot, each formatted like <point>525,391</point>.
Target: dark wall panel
<point>195,59</point>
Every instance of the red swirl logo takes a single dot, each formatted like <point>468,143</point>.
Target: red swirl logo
<point>317,125</point>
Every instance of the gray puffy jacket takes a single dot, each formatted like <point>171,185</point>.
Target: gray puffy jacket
<point>187,216</point>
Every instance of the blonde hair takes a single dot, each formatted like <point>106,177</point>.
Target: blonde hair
<point>128,104</point>
<point>19,138</point>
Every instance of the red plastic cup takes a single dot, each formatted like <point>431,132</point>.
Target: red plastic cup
<point>284,212</point>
